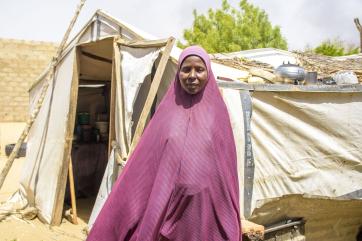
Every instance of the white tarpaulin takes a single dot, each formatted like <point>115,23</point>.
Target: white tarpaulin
<point>299,156</point>
<point>136,64</point>
<point>306,143</point>
<point>46,140</point>
<point>233,102</point>
<point>302,143</point>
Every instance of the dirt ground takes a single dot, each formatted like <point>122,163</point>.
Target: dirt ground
<point>15,229</point>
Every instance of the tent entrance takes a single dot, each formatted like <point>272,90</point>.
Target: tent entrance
<point>118,83</point>
<point>90,148</point>
<point>89,153</point>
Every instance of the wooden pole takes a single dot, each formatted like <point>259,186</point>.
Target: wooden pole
<point>29,123</point>
<point>115,66</point>
<point>118,91</point>
<point>359,28</point>
<point>72,193</point>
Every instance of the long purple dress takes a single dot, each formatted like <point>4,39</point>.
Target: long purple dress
<point>180,183</point>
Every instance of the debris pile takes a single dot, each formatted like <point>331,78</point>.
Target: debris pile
<point>255,72</point>
<point>326,68</point>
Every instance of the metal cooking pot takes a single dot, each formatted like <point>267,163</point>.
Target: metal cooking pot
<point>291,71</point>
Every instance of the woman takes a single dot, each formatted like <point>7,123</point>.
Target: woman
<point>180,183</point>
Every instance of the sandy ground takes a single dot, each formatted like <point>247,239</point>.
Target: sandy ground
<point>15,229</point>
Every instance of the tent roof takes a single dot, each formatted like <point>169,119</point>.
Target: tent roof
<point>128,31</point>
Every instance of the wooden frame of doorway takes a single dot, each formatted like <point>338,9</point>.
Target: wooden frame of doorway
<point>116,77</point>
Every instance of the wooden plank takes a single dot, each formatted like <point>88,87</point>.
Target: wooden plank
<point>72,193</point>
<point>119,88</point>
<point>143,43</point>
<point>62,178</point>
<point>152,94</point>
<point>112,105</point>
<point>264,74</point>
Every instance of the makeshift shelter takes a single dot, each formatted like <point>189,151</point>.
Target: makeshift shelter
<point>296,145</point>
<point>109,75</point>
<point>87,80</point>
<point>299,157</point>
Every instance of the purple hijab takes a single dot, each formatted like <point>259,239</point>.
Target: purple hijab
<point>180,183</point>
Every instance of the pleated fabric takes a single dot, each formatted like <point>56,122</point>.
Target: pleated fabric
<point>180,183</point>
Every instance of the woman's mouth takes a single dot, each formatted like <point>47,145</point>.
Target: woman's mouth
<point>192,86</point>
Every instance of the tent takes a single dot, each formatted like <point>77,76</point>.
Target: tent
<point>298,146</point>
<point>87,79</point>
<point>299,156</point>
<point>109,75</point>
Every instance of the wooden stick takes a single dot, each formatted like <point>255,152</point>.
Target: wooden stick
<point>72,193</point>
<point>29,123</point>
<point>118,90</point>
<point>151,94</point>
<point>359,28</point>
<point>70,27</point>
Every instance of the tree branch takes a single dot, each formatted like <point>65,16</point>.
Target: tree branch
<point>358,25</point>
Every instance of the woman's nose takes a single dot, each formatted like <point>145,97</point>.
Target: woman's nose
<point>193,74</point>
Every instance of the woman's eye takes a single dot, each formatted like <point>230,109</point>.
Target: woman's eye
<point>200,70</point>
<point>186,69</point>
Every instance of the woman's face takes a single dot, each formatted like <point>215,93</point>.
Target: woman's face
<point>193,74</point>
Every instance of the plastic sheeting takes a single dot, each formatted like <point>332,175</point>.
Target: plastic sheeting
<point>306,159</point>
<point>302,143</point>
<point>233,103</point>
<point>136,64</point>
<point>46,141</point>
<point>308,143</point>
<point>110,175</point>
